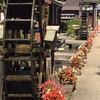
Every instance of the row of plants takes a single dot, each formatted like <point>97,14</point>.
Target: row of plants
<point>66,75</point>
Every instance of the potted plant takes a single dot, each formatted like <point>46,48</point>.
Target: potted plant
<point>83,49</point>
<point>76,62</point>
<point>90,39</point>
<point>67,78</point>
<point>88,45</point>
<point>80,53</point>
<point>50,90</point>
<point>72,27</point>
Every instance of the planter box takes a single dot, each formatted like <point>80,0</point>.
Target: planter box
<point>69,88</point>
<point>22,49</point>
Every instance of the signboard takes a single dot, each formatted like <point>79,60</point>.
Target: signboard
<point>1,31</point>
<point>1,16</point>
<point>56,28</point>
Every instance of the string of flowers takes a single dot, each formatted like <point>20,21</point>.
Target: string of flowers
<point>66,75</point>
<point>51,91</point>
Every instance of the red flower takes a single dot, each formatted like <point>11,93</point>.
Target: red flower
<point>51,91</point>
<point>53,95</point>
<point>76,61</point>
<point>73,79</point>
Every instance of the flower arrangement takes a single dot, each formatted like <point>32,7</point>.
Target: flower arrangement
<point>51,91</point>
<point>76,62</point>
<point>66,75</point>
<point>90,39</point>
<point>88,44</point>
<point>83,48</point>
<point>93,34</point>
<point>80,53</point>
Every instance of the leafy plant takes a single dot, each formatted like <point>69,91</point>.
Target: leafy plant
<point>2,2</point>
<point>73,22</point>
<point>98,1</point>
<point>70,32</point>
<point>70,24</point>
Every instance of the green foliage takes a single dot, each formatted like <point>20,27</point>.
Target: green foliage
<point>98,1</point>
<point>2,2</point>
<point>73,22</point>
<point>98,17</point>
<point>70,31</point>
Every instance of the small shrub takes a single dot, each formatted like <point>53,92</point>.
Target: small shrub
<point>70,31</point>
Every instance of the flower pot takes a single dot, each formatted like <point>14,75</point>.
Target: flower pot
<point>68,88</point>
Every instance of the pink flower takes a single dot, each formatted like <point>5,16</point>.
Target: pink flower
<point>51,91</point>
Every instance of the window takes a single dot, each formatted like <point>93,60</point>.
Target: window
<point>67,16</point>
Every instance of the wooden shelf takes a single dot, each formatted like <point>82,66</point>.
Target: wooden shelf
<point>17,20</point>
<point>20,95</point>
<point>18,78</point>
<point>20,1</point>
<point>20,4</point>
<point>19,41</point>
<point>17,58</point>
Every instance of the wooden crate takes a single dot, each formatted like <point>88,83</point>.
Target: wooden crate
<point>22,48</point>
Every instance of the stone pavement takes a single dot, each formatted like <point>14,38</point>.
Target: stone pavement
<point>88,84</point>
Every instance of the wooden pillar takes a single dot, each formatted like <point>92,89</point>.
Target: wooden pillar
<point>95,17</point>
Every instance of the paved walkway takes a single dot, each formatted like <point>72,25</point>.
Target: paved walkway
<point>88,84</point>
